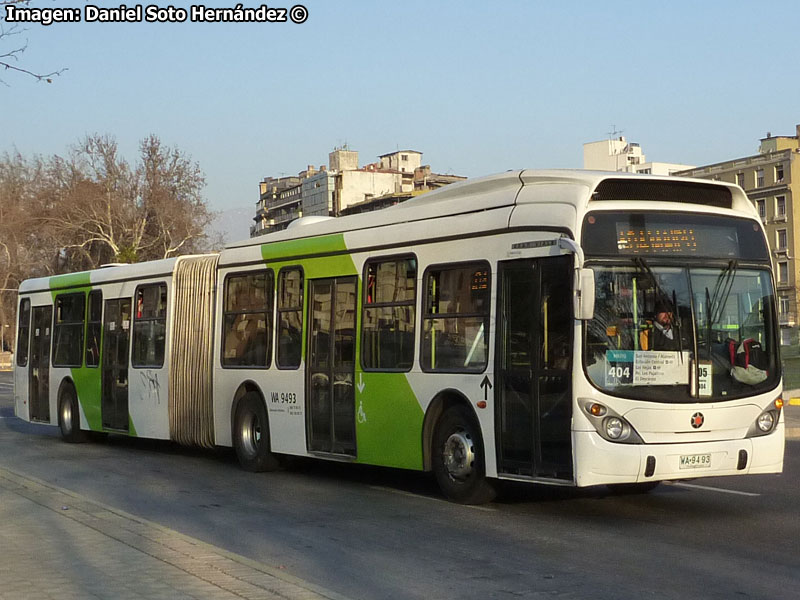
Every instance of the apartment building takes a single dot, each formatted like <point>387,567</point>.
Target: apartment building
<point>343,188</point>
<point>619,154</point>
<point>771,180</point>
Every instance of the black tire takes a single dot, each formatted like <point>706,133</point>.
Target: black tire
<point>69,416</point>
<point>251,435</point>
<point>458,458</point>
<point>630,489</point>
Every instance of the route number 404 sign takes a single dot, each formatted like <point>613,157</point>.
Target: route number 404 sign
<point>635,367</point>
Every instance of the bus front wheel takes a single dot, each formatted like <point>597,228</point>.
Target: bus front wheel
<point>458,458</point>
<point>69,416</point>
<point>251,435</point>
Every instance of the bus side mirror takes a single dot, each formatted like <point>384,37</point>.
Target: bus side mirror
<point>584,294</point>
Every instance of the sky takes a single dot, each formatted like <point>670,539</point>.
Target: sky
<point>477,87</point>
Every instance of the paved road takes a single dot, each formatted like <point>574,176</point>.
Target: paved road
<point>375,533</point>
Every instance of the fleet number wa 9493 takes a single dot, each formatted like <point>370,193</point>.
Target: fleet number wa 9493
<point>283,398</point>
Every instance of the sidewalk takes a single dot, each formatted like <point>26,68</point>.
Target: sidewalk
<point>57,544</point>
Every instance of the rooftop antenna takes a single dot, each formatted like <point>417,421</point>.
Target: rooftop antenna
<point>616,132</point>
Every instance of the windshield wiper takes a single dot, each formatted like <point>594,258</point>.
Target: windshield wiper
<point>642,265</point>
<point>722,290</point>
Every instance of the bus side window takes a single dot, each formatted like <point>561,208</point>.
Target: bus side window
<point>290,318</point>
<point>150,326</point>
<point>94,327</point>
<point>68,329</point>
<point>456,318</point>
<point>23,332</point>
<point>246,320</point>
<point>388,319</point>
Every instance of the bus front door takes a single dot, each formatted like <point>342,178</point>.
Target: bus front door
<point>116,336</point>
<point>533,365</point>
<point>39,383</point>
<point>330,370</point>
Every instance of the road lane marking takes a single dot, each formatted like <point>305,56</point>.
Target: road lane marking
<point>711,489</point>
<point>794,401</point>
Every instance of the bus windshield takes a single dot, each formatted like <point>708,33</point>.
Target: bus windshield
<point>682,334</point>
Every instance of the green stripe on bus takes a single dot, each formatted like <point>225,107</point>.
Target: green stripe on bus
<point>325,244</point>
<point>388,421</point>
<point>70,280</point>
<point>86,379</point>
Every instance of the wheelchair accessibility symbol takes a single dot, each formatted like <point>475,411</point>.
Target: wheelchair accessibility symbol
<point>362,416</point>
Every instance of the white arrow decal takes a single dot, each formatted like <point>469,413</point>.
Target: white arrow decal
<point>361,385</point>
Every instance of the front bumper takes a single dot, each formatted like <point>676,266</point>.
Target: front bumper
<point>599,461</point>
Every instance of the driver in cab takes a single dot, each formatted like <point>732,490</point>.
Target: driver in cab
<point>660,333</point>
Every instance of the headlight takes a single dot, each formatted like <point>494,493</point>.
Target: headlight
<point>766,421</point>
<point>608,423</point>
<point>765,424</point>
<point>614,427</point>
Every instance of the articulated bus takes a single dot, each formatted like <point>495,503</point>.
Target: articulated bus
<point>505,328</point>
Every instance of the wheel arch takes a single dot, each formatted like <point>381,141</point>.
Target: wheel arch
<point>66,382</point>
<point>441,402</point>
<point>245,388</point>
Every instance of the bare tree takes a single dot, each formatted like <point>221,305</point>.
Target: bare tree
<point>66,214</point>
<point>11,50</point>
<point>105,210</point>
<point>175,213</point>
<point>93,212</point>
<point>21,252</point>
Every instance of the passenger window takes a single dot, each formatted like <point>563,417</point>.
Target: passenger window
<point>68,330</point>
<point>23,332</point>
<point>94,327</point>
<point>246,320</point>
<point>290,318</point>
<point>390,293</point>
<point>150,326</point>
<point>456,318</point>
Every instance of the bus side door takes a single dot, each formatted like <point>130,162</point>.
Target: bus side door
<point>330,369</point>
<point>39,383</point>
<point>533,375</point>
<point>116,344</point>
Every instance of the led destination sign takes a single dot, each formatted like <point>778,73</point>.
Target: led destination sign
<point>665,234</point>
<point>656,240</point>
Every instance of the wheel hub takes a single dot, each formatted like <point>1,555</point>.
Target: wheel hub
<point>66,415</point>
<point>459,455</point>
<point>251,435</point>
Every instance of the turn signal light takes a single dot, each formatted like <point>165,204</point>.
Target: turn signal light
<point>596,410</point>
<point>778,403</point>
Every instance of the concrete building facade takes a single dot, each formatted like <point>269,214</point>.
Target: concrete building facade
<point>621,155</point>
<point>343,188</point>
<point>771,180</point>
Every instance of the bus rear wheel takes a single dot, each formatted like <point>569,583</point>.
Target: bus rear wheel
<point>69,416</point>
<point>251,435</point>
<point>458,458</point>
